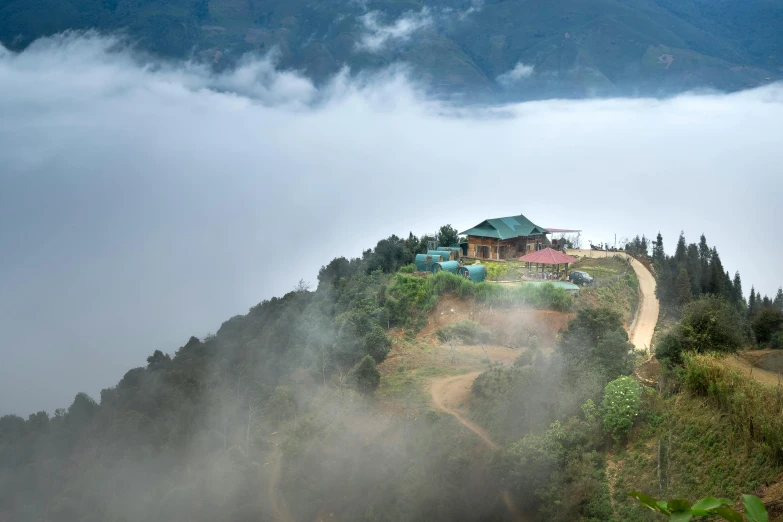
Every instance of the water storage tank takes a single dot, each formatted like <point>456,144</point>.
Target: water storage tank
<point>443,255</point>
<point>454,251</point>
<point>476,273</point>
<point>446,266</point>
<point>425,262</point>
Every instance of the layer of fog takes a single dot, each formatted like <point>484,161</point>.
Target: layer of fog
<point>142,203</point>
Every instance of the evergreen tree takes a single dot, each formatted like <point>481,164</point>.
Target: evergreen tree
<point>683,286</point>
<point>716,279</point>
<point>682,251</point>
<point>704,249</point>
<point>752,306</point>
<point>694,267</point>
<point>728,287</point>
<point>737,296</point>
<point>778,302</point>
<point>365,375</point>
<point>657,251</point>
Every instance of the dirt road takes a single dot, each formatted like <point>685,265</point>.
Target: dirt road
<point>451,393</point>
<point>643,326</point>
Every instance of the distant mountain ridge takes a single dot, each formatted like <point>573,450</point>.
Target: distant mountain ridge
<point>508,49</point>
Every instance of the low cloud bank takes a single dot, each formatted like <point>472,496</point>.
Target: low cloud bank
<point>145,202</point>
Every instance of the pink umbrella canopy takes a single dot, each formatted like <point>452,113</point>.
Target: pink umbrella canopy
<point>548,256</point>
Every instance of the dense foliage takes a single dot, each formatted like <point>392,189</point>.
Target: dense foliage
<point>620,407</point>
<point>596,340</point>
<point>190,433</point>
<point>693,284</point>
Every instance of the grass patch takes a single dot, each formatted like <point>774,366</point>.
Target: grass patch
<point>616,287</point>
<point>409,389</point>
<point>683,447</point>
<point>602,269</point>
<point>469,332</point>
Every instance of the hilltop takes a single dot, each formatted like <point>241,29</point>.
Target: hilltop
<point>492,50</point>
<point>388,393</point>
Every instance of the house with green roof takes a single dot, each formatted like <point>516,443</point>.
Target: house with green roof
<point>504,238</point>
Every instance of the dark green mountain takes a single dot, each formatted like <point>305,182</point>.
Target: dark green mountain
<point>568,48</point>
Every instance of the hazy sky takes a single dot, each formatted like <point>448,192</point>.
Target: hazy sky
<point>142,204</point>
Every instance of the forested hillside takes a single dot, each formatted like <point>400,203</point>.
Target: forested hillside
<point>190,436</point>
<point>280,416</point>
<point>489,50</point>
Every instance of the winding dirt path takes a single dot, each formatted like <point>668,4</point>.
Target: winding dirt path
<point>643,327</point>
<point>449,393</point>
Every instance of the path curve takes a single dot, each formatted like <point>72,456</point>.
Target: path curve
<point>643,327</point>
<point>443,392</point>
<point>447,394</point>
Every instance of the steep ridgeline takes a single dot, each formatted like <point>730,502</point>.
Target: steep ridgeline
<point>490,50</point>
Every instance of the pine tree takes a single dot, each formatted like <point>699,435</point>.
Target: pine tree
<point>778,302</point>
<point>704,249</point>
<point>752,306</point>
<point>716,278</point>
<point>683,287</point>
<point>737,288</point>
<point>658,253</point>
<point>728,287</point>
<point>694,267</point>
<point>681,251</point>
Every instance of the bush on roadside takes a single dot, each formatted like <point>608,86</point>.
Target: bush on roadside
<point>766,324</point>
<point>621,405</point>
<point>711,324</point>
<point>668,349</point>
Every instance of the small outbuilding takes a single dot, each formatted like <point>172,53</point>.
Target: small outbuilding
<point>444,256</point>
<point>425,262</point>
<point>548,257</point>
<point>454,252</point>
<point>446,266</point>
<point>476,273</point>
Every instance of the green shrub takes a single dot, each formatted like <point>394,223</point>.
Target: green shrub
<point>468,332</point>
<point>365,375</point>
<point>621,405</point>
<point>525,358</point>
<point>751,408</point>
<point>776,341</point>
<point>710,323</point>
<point>496,271</point>
<point>595,339</point>
<point>408,269</point>
<point>377,344</point>
<point>766,324</point>
<point>668,349</point>
<point>546,296</point>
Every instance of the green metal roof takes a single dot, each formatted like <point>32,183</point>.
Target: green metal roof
<point>506,228</point>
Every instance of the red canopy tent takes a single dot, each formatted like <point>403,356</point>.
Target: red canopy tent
<point>548,256</point>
